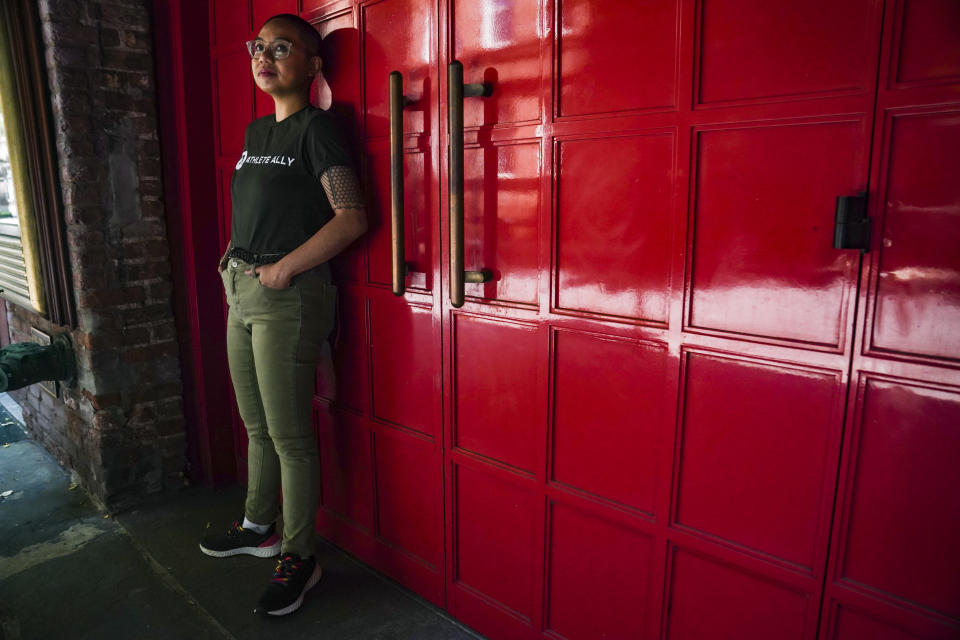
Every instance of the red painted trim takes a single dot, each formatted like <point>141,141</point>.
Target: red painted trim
<point>184,106</point>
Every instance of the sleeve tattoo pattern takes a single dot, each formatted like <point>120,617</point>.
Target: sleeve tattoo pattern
<point>342,188</point>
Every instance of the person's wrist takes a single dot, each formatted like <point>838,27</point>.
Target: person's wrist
<point>286,270</point>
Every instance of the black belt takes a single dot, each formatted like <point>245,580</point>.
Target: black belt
<point>254,258</point>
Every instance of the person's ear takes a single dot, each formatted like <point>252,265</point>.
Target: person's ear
<point>316,64</point>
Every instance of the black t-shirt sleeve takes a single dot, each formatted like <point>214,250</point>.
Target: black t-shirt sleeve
<point>323,146</point>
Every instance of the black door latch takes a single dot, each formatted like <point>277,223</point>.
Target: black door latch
<point>852,226</point>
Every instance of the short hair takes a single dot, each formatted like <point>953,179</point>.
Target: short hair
<point>305,30</point>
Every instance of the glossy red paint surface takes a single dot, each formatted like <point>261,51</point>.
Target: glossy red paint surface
<point>754,49</point>
<point>587,555</point>
<point>676,411</point>
<point>609,414</point>
<point>408,497</point>
<point>918,295</point>
<point>230,22</point>
<point>343,379</point>
<point>603,55</point>
<point>929,47</point>
<point>346,466</point>
<point>506,430</point>
<point>263,9</point>
<point>498,42</point>
<point>734,409</point>
<point>903,520</point>
<point>854,625</point>
<point>709,599</point>
<point>501,220</point>
<point>396,37</point>
<point>417,215</point>
<point>234,111</point>
<point>615,192</point>
<point>494,559</point>
<point>404,387</point>
<point>763,229</point>
<point>893,567</point>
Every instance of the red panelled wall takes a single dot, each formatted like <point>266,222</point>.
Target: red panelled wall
<point>676,411</point>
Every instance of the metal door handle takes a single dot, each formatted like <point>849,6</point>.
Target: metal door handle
<point>398,260</point>
<point>456,91</point>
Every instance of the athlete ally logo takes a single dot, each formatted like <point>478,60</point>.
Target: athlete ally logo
<point>245,159</point>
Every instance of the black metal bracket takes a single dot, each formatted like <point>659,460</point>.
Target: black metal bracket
<point>852,226</point>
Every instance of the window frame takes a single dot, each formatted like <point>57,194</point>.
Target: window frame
<point>48,249</point>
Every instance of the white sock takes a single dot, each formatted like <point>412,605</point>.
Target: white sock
<point>253,526</point>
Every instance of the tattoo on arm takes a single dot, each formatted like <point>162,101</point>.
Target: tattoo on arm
<point>342,188</point>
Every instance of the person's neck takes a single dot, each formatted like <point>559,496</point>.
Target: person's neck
<point>286,106</point>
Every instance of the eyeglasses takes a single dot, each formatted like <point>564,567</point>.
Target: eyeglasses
<point>278,49</point>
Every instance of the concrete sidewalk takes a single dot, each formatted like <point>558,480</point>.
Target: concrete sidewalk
<point>67,571</point>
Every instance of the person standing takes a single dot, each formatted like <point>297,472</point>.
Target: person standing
<point>296,204</point>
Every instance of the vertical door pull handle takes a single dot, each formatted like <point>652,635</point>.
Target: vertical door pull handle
<point>456,91</point>
<point>852,226</point>
<point>398,260</point>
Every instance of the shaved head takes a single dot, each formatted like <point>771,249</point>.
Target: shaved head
<point>309,35</point>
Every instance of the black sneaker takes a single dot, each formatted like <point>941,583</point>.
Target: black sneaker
<point>238,540</point>
<point>292,578</point>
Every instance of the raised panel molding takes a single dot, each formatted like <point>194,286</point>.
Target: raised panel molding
<point>752,51</point>
<point>928,49</point>
<point>602,55</point>
<point>756,447</point>
<point>609,417</point>
<point>915,310</point>
<point>613,229</point>
<point>902,472</point>
<point>761,236</point>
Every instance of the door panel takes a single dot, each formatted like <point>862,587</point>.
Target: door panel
<point>501,219</point>
<point>929,48</point>
<point>615,193</point>
<point>417,216</point>
<point>492,559</point>
<point>263,9</point>
<point>396,36</point>
<point>234,86</point>
<point>498,42</point>
<point>753,453</point>
<point>496,359</point>
<point>343,379</point>
<point>231,22</point>
<point>752,49</point>
<point>711,599</point>
<point>610,61</point>
<point>408,497</point>
<point>763,227</point>
<point>404,383</point>
<point>893,567</point>
<point>345,466</point>
<point>854,625</point>
<point>598,574</point>
<point>388,426</point>
<point>609,397</point>
<point>918,290</point>
<point>902,523</point>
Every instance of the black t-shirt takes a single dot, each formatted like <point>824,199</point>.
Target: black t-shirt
<point>278,202</point>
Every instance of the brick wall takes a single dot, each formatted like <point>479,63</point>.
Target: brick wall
<point>120,426</point>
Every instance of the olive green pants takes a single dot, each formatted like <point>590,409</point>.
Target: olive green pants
<point>274,338</point>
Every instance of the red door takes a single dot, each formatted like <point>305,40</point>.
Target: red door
<point>894,569</point>
<point>675,411</point>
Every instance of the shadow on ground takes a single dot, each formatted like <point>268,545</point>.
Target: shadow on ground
<point>66,571</point>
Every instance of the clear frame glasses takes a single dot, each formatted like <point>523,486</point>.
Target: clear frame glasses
<point>277,50</point>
